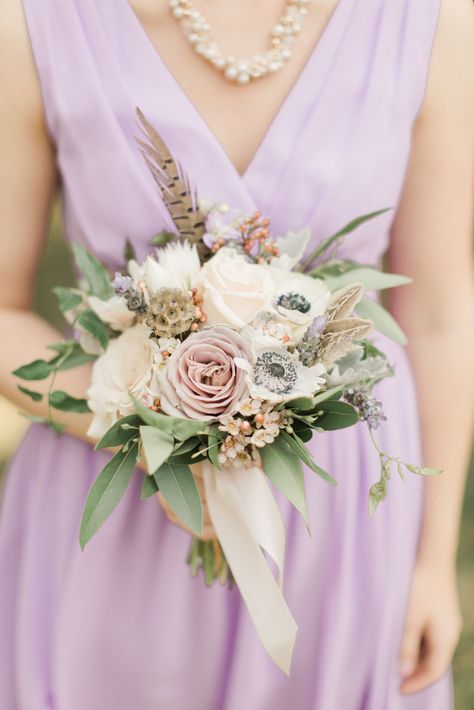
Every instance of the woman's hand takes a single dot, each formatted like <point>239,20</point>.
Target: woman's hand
<point>208,532</point>
<point>432,626</point>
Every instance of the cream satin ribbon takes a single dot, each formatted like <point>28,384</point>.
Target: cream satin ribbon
<point>246,518</point>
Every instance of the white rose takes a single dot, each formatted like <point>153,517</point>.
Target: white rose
<point>114,311</point>
<point>233,289</point>
<point>126,369</point>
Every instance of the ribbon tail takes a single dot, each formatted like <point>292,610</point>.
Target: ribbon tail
<point>245,516</point>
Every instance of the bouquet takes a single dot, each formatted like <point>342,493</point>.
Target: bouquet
<point>228,348</point>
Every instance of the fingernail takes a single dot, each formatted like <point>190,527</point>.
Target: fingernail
<point>406,668</point>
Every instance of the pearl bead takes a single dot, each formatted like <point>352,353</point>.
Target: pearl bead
<point>243,78</point>
<point>198,32</point>
<point>231,72</point>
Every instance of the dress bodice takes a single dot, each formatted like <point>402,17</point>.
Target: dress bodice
<point>337,148</point>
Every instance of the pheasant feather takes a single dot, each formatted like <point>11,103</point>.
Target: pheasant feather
<point>179,198</point>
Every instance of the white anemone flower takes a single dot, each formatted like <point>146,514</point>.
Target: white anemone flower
<point>276,375</point>
<point>300,298</point>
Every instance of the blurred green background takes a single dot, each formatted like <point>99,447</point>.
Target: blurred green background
<point>55,270</point>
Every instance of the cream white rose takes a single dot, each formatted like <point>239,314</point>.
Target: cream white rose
<point>126,369</point>
<point>114,311</point>
<point>233,289</point>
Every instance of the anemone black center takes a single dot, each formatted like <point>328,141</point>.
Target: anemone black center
<point>294,302</point>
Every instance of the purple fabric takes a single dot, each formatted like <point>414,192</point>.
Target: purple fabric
<point>122,625</point>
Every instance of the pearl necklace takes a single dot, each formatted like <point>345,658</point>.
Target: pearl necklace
<point>198,32</point>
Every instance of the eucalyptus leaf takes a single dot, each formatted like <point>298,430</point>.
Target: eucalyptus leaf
<point>179,489</point>
<point>298,448</point>
<point>285,471</point>
<point>149,488</point>
<point>96,275</point>
<point>35,396</point>
<point>381,318</point>
<point>36,370</point>
<point>370,278</point>
<point>91,322</point>
<point>65,403</point>
<point>157,445</point>
<point>106,492</point>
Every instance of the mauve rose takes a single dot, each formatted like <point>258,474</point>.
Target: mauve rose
<point>201,380</point>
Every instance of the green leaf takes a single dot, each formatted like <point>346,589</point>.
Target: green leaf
<point>162,422</point>
<point>35,396</point>
<point>423,471</point>
<point>157,445</point>
<point>327,243</point>
<point>64,402</point>
<point>57,427</point>
<point>163,238</point>
<point>284,469</point>
<point>186,446</point>
<point>129,251</point>
<point>96,275</point>
<point>377,494</point>
<point>106,492</point>
<point>297,446</point>
<point>184,429</point>
<point>332,393</point>
<point>215,438</point>
<point>381,318</point>
<point>36,370</point>
<point>370,350</point>
<point>336,415</point>
<point>120,432</point>
<point>301,403</point>
<point>179,489</point>
<point>91,322</point>
<point>370,278</point>
<point>67,298</point>
<point>304,432</point>
<point>69,355</point>
<point>149,488</point>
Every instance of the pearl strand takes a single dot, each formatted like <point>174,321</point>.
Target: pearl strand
<point>199,34</point>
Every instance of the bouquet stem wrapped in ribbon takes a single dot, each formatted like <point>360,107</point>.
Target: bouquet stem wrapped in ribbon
<point>226,348</point>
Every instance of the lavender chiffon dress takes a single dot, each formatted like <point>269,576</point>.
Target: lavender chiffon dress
<point>123,626</point>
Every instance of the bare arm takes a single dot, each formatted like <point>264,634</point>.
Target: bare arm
<point>28,177</point>
<point>431,242</point>
<point>29,180</point>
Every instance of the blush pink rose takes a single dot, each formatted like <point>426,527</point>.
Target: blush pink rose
<point>201,380</point>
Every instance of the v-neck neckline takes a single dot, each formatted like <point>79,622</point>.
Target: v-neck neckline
<point>281,113</point>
